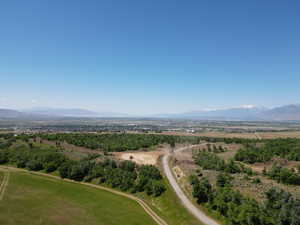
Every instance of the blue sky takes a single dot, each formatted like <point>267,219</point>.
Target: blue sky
<point>147,57</point>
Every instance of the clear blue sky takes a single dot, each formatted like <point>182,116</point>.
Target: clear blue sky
<point>149,56</point>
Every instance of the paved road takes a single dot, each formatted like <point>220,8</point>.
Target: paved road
<point>147,209</point>
<point>184,199</point>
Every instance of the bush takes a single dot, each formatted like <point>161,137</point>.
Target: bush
<point>223,179</point>
<point>21,163</point>
<point>202,190</point>
<point>34,165</point>
<point>256,181</point>
<point>283,175</point>
<point>3,157</point>
<point>51,167</point>
<point>211,161</point>
<point>64,169</point>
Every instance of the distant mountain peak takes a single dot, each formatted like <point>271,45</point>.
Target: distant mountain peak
<point>248,106</point>
<point>71,112</point>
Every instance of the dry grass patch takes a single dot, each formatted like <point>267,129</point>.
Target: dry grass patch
<point>283,134</point>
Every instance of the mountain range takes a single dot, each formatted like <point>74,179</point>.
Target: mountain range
<point>235,113</point>
<point>42,112</point>
<point>282,113</point>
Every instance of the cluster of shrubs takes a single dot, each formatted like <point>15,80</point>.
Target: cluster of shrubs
<point>283,175</point>
<point>210,161</point>
<point>284,148</point>
<point>280,208</point>
<point>215,149</point>
<point>124,175</point>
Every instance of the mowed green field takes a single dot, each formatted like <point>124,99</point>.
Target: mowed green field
<point>169,207</point>
<point>35,200</point>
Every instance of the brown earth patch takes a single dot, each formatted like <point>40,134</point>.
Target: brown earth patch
<point>142,157</point>
<point>283,134</point>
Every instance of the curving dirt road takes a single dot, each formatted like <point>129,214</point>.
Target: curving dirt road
<point>201,216</point>
<point>147,209</point>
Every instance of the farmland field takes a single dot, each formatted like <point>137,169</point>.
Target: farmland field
<point>245,135</point>
<point>36,200</point>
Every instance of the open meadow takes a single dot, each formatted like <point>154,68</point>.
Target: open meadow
<point>36,200</point>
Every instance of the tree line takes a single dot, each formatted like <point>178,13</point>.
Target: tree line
<point>125,175</point>
<point>243,141</point>
<point>118,142</point>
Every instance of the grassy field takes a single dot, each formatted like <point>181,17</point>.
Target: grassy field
<point>35,200</point>
<point>169,207</point>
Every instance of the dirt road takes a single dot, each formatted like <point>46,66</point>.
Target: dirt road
<point>184,199</point>
<point>258,136</point>
<point>147,209</point>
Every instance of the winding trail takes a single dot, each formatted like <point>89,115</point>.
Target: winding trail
<point>147,209</point>
<point>201,216</point>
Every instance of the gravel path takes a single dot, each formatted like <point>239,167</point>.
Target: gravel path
<point>201,216</point>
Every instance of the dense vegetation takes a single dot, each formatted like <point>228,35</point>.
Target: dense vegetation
<point>283,148</point>
<point>118,142</point>
<point>210,161</point>
<point>280,208</point>
<point>125,175</point>
<point>283,175</point>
